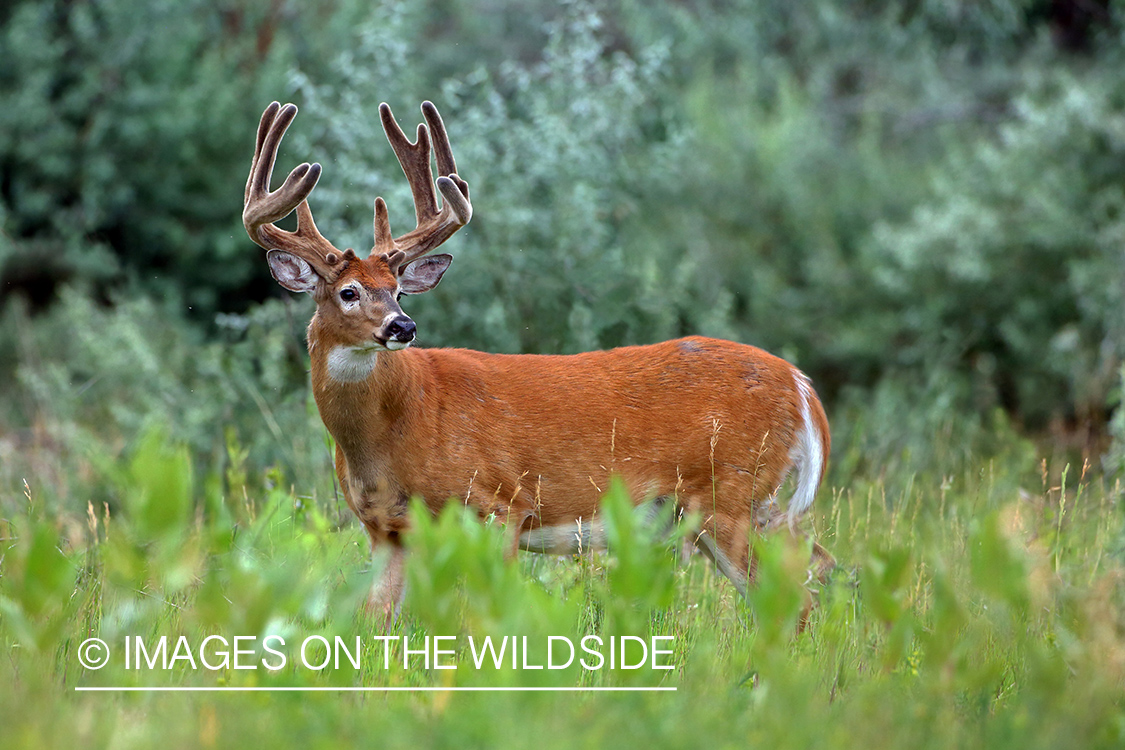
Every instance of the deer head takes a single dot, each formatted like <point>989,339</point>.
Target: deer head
<point>358,298</point>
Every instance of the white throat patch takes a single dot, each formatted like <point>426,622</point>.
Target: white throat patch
<point>347,364</point>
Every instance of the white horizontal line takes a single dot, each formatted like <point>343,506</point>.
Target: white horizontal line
<point>253,689</point>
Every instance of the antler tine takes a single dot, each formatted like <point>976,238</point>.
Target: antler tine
<point>456,194</point>
<point>264,126</point>
<point>434,226</point>
<point>445,162</point>
<point>414,158</point>
<point>263,207</point>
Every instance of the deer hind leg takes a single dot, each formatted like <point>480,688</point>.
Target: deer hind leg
<point>820,566</point>
<point>821,561</point>
<point>725,542</point>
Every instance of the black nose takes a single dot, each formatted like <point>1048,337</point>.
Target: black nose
<point>401,329</point>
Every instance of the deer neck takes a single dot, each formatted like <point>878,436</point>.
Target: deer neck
<point>361,395</point>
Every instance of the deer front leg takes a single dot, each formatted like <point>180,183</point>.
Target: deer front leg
<point>385,598</point>
<point>384,517</point>
<point>385,525</point>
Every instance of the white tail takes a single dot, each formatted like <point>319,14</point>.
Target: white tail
<point>808,455</point>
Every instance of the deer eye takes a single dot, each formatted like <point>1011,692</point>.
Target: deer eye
<point>348,295</point>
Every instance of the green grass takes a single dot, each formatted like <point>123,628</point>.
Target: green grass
<point>984,609</point>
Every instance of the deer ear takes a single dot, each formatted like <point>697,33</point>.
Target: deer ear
<point>292,272</point>
<point>423,274</point>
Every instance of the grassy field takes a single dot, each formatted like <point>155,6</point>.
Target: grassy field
<point>982,609</point>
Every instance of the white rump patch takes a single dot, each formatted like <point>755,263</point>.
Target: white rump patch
<point>347,364</point>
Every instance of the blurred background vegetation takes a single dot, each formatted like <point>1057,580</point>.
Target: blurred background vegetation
<point>920,203</point>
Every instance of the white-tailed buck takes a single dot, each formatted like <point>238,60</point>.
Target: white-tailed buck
<point>712,426</point>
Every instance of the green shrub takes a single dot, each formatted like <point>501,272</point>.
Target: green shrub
<point>95,379</point>
<point>559,155</point>
<point>1011,272</point>
<point>920,194</point>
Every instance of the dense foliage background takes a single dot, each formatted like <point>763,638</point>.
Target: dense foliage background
<point>920,203</point>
